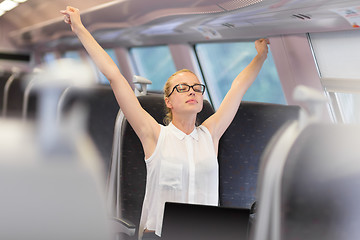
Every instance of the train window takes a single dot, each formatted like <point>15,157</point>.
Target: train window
<point>337,63</point>
<point>347,105</point>
<point>72,54</point>
<point>222,62</point>
<point>154,63</point>
<point>102,78</point>
<point>49,57</point>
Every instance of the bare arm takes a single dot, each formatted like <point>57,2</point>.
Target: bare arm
<point>220,121</point>
<point>144,125</point>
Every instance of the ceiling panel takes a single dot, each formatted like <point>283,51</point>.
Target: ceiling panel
<point>155,21</point>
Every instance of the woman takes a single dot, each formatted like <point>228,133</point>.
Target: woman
<point>181,159</point>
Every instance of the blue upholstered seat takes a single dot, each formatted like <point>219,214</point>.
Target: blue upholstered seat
<point>241,147</point>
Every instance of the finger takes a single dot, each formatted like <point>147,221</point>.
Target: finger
<point>71,9</point>
<point>264,40</point>
<point>67,19</point>
<point>65,13</point>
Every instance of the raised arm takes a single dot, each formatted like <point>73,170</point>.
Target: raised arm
<point>219,121</point>
<point>144,125</point>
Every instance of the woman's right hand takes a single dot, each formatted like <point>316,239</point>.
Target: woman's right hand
<point>72,17</point>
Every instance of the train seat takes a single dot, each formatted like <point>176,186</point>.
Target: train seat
<point>319,196</point>
<point>30,100</point>
<point>13,95</point>
<point>102,108</point>
<point>307,183</point>
<point>4,76</point>
<point>241,147</point>
<point>53,186</point>
<point>49,195</point>
<point>307,178</point>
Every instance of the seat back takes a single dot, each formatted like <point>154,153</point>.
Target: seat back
<point>321,178</point>
<point>132,168</point>
<point>102,109</point>
<point>30,102</point>
<point>241,147</point>
<point>4,76</point>
<point>13,95</point>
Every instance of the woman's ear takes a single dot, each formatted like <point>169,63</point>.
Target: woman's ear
<point>168,103</point>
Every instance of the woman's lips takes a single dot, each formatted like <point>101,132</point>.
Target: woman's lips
<point>191,101</point>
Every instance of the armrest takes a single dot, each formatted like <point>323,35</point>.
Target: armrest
<point>123,226</point>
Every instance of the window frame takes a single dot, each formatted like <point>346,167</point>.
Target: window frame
<point>332,86</point>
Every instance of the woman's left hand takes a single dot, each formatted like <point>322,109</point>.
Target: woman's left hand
<point>261,46</point>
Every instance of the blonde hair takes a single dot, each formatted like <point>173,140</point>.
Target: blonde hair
<point>167,90</point>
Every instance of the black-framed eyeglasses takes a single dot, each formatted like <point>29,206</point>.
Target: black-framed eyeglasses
<point>183,87</point>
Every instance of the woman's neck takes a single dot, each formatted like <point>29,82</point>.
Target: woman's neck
<point>186,125</point>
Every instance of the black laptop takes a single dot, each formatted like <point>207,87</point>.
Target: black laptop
<point>196,222</point>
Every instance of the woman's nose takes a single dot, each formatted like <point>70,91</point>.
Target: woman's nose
<point>191,92</point>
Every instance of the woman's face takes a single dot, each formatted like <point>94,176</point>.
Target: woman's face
<point>184,102</point>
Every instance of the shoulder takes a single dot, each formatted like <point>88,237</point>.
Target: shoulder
<point>204,131</point>
<point>203,128</point>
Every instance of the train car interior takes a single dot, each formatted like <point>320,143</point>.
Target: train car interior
<point>72,166</point>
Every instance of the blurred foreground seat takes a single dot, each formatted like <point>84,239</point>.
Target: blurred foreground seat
<point>49,193</point>
<point>319,194</point>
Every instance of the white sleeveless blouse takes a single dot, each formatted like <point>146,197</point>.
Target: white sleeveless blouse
<point>183,168</point>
